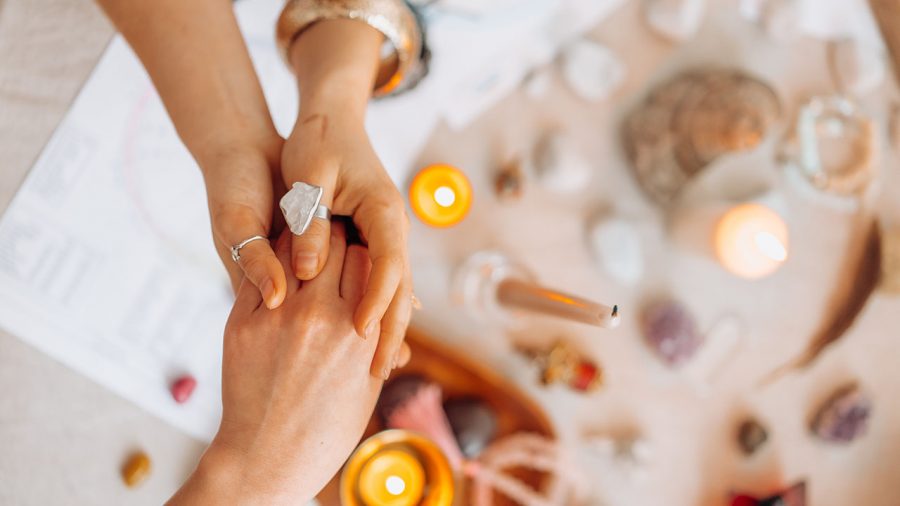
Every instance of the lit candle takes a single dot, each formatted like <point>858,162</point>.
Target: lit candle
<point>397,468</point>
<point>392,478</point>
<point>751,241</point>
<point>440,195</point>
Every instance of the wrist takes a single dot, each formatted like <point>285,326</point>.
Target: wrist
<point>224,152</point>
<point>343,76</point>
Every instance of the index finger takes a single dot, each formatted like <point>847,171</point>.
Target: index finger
<point>385,232</point>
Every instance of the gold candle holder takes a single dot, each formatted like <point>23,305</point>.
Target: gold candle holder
<point>397,468</point>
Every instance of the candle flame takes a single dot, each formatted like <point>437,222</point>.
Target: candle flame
<point>444,196</point>
<point>395,485</point>
<point>770,246</point>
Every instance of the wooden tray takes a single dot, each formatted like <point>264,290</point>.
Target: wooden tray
<point>460,376</point>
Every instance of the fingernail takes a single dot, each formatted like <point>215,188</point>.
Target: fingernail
<point>370,330</point>
<point>305,264</point>
<point>268,291</point>
<point>386,373</point>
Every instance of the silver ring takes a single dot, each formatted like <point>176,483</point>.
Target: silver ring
<point>301,204</point>
<point>236,249</point>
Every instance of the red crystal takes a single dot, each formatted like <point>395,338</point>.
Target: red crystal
<point>183,388</point>
<point>584,376</point>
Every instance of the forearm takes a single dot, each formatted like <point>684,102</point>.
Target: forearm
<point>197,59</point>
<point>336,62</point>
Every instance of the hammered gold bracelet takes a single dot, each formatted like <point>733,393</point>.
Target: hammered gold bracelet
<point>393,18</point>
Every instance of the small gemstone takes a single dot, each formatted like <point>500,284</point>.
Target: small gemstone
<point>844,416</point>
<point>586,377</point>
<point>183,388</point>
<point>751,436</point>
<point>136,469</point>
<point>671,331</point>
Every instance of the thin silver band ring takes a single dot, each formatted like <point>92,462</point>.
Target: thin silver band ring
<point>236,249</point>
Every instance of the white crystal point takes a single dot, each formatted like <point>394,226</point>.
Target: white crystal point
<point>559,165</point>
<point>592,70</point>
<point>299,206</point>
<point>676,20</point>
<point>616,245</point>
<point>859,67</point>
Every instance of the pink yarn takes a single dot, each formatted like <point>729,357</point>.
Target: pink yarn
<point>423,413</point>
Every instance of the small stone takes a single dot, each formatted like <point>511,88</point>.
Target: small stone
<point>586,377</point>
<point>843,417</point>
<point>616,245</point>
<point>136,469</point>
<point>671,331</point>
<point>183,387</point>
<point>559,165</point>
<point>510,182</point>
<point>474,424</point>
<point>676,20</point>
<point>751,436</point>
<point>793,496</point>
<point>858,67</point>
<point>592,70</point>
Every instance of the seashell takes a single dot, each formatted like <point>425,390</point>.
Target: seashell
<point>592,70</point>
<point>843,417</point>
<point>676,20</point>
<point>691,120</point>
<point>671,331</point>
<point>559,165</point>
<point>857,67</point>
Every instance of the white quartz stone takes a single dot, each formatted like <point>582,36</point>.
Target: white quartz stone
<point>559,165</point>
<point>860,68</point>
<point>616,245</point>
<point>676,20</point>
<point>592,70</point>
<point>298,206</point>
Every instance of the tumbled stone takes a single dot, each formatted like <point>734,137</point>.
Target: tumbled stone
<point>592,70</point>
<point>136,469</point>
<point>616,246</point>
<point>671,331</point>
<point>843,417</point>
<point>751,436</point>
<point>474,424</point>
<point>183,388</point>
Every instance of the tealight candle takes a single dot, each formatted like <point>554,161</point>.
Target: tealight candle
<point>392,478</point>
<point>751,241</point>
<point>440,195</point>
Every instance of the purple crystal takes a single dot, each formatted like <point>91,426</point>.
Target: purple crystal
<point>671,331</point>
<point>844,416</point>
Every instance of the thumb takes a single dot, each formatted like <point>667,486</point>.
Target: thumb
<point>256,258</point>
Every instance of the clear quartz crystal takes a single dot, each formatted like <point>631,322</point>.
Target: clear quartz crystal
<point>833,146</point>
<point>299,205</point>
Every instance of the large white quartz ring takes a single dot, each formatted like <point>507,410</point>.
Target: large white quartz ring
<point>301,205</point>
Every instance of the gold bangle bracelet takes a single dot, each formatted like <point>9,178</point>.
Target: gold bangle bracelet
<point>393,18</point>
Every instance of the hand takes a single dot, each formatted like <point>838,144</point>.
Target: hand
<point>240,185</point>
<point>329,147</point>
<point>296,393</point>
